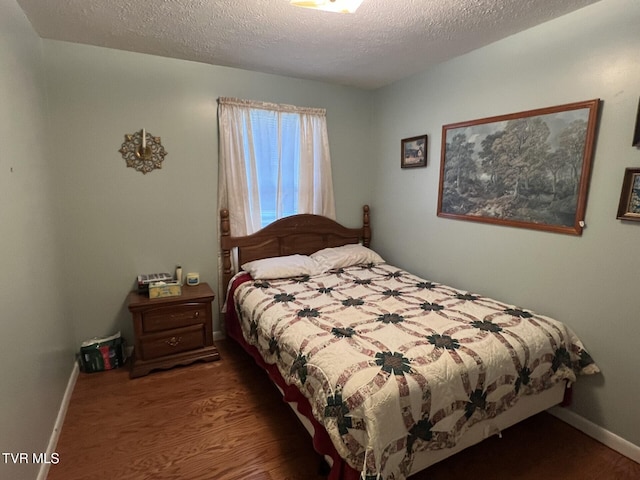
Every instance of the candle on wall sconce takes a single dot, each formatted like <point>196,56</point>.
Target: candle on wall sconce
<point>144,152</point>
<point>141,154</point>
<point>636,134</point>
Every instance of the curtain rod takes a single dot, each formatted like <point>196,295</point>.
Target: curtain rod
<point>278,107</point>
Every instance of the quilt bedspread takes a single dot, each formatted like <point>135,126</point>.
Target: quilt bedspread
<point>393,364</point>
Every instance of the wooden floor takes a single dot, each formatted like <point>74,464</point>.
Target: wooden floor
<point>225,421</point>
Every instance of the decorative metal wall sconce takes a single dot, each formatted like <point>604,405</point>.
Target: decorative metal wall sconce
<point>142,151</point>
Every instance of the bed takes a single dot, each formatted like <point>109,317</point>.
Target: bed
<point>390,373</point>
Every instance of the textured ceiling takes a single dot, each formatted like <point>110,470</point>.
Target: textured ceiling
<point>384,41</point>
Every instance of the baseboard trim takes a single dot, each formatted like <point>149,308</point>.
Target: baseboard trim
<point>57,427</point>
<point>598,433</point>
<point>218,335</point>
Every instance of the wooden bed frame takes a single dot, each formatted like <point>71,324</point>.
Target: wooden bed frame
<point>298,234</point>
<point>305,234</point>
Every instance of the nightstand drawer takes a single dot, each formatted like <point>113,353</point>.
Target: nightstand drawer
<point>176,316</point>
<point>172,341</point>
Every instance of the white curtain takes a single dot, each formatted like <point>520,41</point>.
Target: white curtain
<point>299,157</point>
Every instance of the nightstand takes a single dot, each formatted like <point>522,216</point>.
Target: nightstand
<point>172,331</point>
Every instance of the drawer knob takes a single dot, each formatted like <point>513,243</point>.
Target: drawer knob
<point>173,341</point>
<point>196,315</point>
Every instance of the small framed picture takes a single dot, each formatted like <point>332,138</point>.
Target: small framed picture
<point>413,152</point>
<point>629,208</point>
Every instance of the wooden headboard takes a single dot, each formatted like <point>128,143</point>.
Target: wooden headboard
<point>298,234</point>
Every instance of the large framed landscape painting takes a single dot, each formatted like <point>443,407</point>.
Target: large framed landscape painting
<point>528,169</point>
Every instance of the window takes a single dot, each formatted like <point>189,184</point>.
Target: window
<point>274,162</point>
<point>276,143</point>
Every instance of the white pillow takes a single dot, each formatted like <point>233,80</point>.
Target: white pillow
<point>345,256</point>
<point>282,267</point>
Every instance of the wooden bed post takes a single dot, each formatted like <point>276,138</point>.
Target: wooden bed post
<point>225,233</point>
<point>366,228</point>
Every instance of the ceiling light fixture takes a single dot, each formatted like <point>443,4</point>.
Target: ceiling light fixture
<point>340,6</point>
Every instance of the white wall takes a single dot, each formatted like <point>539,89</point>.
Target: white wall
<point>117,222</point>
<point>589,282</point>
<point>36,351</point>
